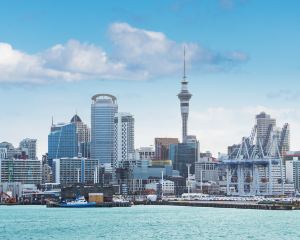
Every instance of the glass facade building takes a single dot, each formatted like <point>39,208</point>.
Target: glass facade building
<point>62,141</point>
<point>103,110</point>
<point>182,154</point>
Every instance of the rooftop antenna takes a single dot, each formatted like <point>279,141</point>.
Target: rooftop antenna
<point>52,121</point>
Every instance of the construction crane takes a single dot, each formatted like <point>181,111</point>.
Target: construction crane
<point>249,171</point>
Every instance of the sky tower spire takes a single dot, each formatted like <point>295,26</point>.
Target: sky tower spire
<point>184,97</point>
<point>184,75</point>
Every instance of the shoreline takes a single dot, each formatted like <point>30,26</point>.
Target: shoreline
<point>213,204</point>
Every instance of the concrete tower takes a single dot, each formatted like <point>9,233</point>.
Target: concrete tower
<point>184,97</point>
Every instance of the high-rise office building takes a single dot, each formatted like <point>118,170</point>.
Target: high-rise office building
<point>62,141</point>
<point>124,139</point>
<point>184,97</point>
<point>83,136</point>
<point>69,139</point>
<point>162,146</point>
<point>268,134</point>
<point>284,141</point>
<point>265,125</point>
<point>182,154</point>
<point>103,110</point>
<point>29,146</point>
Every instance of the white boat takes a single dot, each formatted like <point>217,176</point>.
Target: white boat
<point>79,202</point>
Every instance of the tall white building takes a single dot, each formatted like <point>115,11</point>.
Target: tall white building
<point>124,139</point>
<point>103,110</point>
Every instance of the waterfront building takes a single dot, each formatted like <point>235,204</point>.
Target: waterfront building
<point>62,141</point>
<point>184,97</point>
<point>162,147</point>
<point>76,170</point>
<point>182,154</point>
<point>206,168</point>
<point>123,140</point>
<point>18,170</point>
<point>46,173</point>
<point>292,168</point>
<point>137,186</point>
<point>277,176</point>
<point>103,110</point>
<point>168,187</point>
<point>29,146</point>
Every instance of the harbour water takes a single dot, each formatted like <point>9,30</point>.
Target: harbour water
<point>146,222</point>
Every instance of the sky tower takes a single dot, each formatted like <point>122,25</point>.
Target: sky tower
<point>184,97</point>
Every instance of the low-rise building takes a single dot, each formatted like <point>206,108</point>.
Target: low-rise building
<point>206,169</point>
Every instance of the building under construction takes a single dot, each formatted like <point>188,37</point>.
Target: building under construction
<point>255,167</point>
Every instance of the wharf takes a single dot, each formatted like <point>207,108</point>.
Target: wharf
<point>227,204</point>
<point>104,204</point>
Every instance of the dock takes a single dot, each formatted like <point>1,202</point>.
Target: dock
<point>103,205</point>
<point>226,204</point>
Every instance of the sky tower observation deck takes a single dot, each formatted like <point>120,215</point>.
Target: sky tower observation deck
<point>184,97</point>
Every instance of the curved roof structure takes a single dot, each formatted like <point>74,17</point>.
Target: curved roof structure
<point>104,95</point>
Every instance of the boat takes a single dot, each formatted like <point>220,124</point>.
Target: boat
<point>79,202</point>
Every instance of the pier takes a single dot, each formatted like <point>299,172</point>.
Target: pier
<point>227,204</point>
<point>104,204</point>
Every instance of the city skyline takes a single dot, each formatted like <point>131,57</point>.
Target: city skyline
<point>232,76</point>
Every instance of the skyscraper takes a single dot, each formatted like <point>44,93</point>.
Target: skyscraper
<point>268,134</point>
<point>83,136</point>
<point>103,110</point>
<point>62,141</point>
<point>185,153</point>
<point>265,126</point>
<point>124,139</point>
<point>184,97</point>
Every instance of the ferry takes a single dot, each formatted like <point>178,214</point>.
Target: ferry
<point>80,202</point>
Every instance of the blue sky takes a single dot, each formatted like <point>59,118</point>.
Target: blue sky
<point>242,58</point>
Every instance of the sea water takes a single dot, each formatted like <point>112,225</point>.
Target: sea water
<point>146,222</point>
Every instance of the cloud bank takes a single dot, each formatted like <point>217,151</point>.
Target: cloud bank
<point>136,54</point>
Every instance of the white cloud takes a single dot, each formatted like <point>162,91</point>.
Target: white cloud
<point>136,54</point>
<point>220,127</point>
